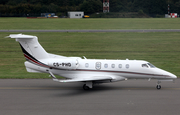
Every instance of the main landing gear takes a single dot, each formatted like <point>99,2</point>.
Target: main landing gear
<point>88,85</point>
<point>158,85</point>
<point>85,87</point>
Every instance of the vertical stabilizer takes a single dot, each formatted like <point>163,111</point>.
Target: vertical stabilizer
<point>30,45</point>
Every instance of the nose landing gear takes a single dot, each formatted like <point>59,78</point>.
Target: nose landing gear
<point>158,85</point>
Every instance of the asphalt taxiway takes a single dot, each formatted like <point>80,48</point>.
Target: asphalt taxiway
<point>45,97</point>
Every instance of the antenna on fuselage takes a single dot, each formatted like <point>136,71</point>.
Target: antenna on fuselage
<point>84,57</point>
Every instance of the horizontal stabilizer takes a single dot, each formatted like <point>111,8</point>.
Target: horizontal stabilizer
<point>20,36</point>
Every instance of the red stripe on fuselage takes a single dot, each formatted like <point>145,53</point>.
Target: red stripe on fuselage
<point>35,61</point>
<point>41,64</point>
<point>127,72</point>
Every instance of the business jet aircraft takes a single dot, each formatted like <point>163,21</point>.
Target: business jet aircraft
<point>89,71</point>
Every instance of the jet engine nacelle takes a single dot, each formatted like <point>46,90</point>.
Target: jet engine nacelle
<point>63,63</point>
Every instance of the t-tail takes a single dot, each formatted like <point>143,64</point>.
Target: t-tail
<point>38,60</point>
<point>33,52</point>
<point>30,46</point>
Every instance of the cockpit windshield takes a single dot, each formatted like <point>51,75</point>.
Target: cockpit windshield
<point>151,65</point>
<point>148,65</point>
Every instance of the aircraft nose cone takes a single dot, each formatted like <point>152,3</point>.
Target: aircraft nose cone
<point>172,75</point>
<point>166,73</point>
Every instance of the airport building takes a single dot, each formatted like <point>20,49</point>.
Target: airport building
<point>75,14</point>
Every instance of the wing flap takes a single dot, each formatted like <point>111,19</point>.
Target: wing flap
<point>93,78</point>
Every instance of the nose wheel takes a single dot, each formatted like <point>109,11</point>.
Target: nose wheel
<point>158,85</point>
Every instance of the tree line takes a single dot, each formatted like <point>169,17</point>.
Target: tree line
<point>88,6</point>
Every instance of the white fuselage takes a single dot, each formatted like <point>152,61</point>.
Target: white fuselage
<point>90,71</point>
<point>131,69</point>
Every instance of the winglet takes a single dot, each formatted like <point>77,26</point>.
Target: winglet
<point>53,76</point>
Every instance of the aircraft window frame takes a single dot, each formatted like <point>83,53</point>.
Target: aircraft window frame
<point>145,66</point>
<point>113,65</point>
<point>127,66</point>
<point>86,65</point>
<point>120,65</point>
<point>106,65</point>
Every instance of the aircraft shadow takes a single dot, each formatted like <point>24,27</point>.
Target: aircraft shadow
<point>75,91</point>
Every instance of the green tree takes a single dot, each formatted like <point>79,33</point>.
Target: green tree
<point>91,6</point>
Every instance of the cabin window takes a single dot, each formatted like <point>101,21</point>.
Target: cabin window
<point>98,65</point>
<point>113,65</point>
<point>86,65</point>
<point>120,65</point>
<point>106,65</point>
<point>127,66</point>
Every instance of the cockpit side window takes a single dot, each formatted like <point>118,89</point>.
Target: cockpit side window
<point>145,65</point>
<point>151,65</point>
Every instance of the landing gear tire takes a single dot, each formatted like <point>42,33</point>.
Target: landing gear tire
<point>85,87</point>
<point>158,87</point>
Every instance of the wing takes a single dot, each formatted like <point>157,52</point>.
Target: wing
<point>113,78</point>
<point>92,78</point>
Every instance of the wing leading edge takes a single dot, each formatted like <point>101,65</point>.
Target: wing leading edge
<point>93,78</point>
<point>112,78</point>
